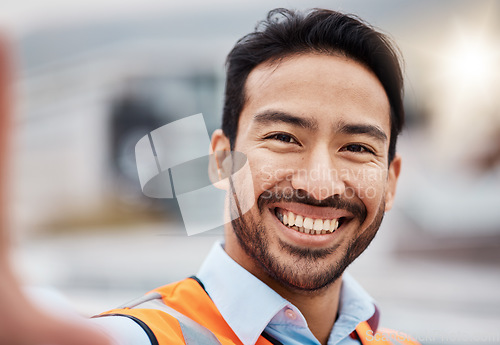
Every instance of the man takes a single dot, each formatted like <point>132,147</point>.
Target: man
<point>21,323</point>
<point>314,101</point>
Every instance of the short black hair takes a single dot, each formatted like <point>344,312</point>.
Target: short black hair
<point>287,32</point>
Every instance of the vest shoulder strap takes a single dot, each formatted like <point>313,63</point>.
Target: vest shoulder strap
<point>193,332</point>
<point>382,336</point>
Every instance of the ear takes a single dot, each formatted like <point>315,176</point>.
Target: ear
<point>392,181</point>
<point>219,142</point>
<point>220,149</point>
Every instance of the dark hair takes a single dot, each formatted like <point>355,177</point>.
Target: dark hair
<point>288,32</point>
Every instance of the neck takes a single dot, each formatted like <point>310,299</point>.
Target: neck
<point>319,308</point>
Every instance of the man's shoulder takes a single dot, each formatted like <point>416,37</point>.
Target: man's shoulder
<point>395,337</point>
<point>382,335</point>
<point>185,287</point>
<point>156,325</point>
<point>187,296</point>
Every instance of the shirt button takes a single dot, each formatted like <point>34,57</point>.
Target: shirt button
<point>290,314</point>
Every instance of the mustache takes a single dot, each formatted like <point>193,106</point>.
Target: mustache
<point>300,196</point>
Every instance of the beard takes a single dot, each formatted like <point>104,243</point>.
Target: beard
<point>298,268</point>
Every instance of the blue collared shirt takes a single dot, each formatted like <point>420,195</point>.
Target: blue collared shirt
<point>250,307</point>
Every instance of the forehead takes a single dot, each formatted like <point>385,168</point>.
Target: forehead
<point>325,87</point>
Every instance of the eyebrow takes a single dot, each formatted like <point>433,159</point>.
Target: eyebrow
<point>370,130</point>
<point>278,116</point>
<point>267,117</point>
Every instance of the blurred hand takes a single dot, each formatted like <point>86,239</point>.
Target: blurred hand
<point>22,323</point>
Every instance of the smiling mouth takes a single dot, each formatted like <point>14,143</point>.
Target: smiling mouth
<point>308,225</point>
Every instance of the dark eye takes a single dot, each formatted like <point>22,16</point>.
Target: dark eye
<point>358,148</point>
<point>286,138</point>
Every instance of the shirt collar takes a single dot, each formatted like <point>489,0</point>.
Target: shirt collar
<point>355,306</point>
<point>229,285</point>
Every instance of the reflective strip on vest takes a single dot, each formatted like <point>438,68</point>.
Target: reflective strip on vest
<point>193,332</point>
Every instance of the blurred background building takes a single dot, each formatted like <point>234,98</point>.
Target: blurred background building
<point>93,77</point>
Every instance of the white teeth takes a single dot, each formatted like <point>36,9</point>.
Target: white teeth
<point>334,225</point>
<point>291,219</point>
<point>308,223</point>
<point>299,221</point>
<point>326,224</point>
<point>318,225</point>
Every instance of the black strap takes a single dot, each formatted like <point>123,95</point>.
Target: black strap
<point>271,339</point>
<point>199,282</point>
<point>149,332</point>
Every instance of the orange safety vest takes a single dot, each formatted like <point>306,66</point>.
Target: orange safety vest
<point>183,313</point>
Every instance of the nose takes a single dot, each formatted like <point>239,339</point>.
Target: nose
<point>318,175</point>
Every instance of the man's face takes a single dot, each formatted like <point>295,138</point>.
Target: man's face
<point>315,129</point>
